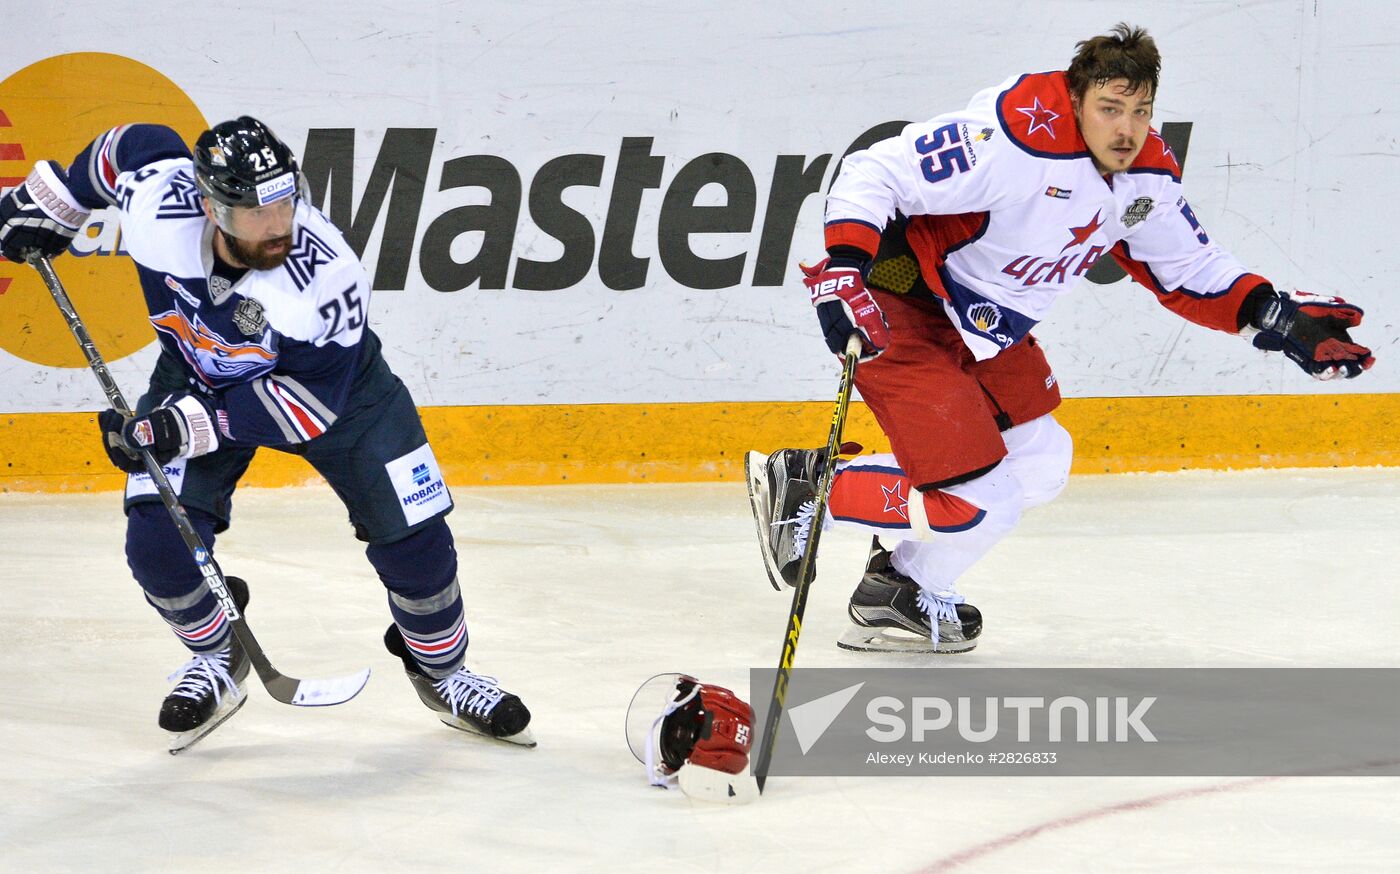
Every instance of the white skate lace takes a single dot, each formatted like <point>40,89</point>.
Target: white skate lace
<point>202,673</point>
<point>470,693</point>
<point>803,521</point>
<point>940,607</point>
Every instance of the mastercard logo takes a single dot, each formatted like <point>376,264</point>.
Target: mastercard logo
<point>51,110</point>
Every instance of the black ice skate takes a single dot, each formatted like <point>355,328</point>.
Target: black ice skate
<point>211,688</point>
<point>891,614</point>
<point>782,492</point>
<point>467,701</point>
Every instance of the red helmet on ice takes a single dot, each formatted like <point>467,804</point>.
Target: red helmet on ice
<point>677,725</point>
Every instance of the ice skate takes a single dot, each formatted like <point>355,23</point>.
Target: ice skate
<point>782,493</point>
<point>467,701</point>
<point>891,612</point>
<point>211,688</point>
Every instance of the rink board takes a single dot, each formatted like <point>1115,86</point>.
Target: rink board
<point>617,443</point>
<point>583,255</point>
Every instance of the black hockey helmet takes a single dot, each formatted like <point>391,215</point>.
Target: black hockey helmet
<point>243,163</point>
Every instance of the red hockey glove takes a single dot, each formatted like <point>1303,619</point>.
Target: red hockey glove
<point>845,307</point>
<point>1311,329</point>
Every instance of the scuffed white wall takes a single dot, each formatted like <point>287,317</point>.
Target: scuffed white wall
<point>1292,164</point>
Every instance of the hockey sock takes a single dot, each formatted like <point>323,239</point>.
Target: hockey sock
<point>161,563</point>
<point>872,493</point>
<point>420,573</point>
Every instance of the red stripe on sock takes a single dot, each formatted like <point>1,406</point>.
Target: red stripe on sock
<point>204,633</point>
<point>440,646</point>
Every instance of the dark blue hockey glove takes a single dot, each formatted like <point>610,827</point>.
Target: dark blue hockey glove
<point>1311,329</point>
<point>182,427</point>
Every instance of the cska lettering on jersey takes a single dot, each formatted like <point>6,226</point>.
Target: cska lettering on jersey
<point>1009,212</point>
<point>1032,269</point>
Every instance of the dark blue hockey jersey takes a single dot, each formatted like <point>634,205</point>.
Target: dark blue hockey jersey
<point>277,351</point>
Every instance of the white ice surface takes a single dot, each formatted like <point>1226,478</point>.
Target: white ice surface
<point>577,594</point>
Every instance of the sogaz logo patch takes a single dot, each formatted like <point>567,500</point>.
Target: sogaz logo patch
<point>276,188</point>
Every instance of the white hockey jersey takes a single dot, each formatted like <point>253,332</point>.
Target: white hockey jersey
<point>1007,212</point>
<point>278,351</point>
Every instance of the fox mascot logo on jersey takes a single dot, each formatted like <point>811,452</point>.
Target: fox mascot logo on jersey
<point>695,735</point>
<point>216,360</point>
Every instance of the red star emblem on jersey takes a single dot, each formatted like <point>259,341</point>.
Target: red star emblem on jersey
<point>1040,117</point>
<point>895,502</point>
<point>1085,232</point>
<point>1166,149</point>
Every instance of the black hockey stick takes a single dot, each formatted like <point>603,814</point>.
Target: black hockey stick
<point>288,690</point>
<point>807,569</point>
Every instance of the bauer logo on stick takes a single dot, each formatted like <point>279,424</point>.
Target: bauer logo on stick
<point>694,735</point>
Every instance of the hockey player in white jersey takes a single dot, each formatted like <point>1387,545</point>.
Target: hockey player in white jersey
<point>946,245</point>
<point>260,308</point>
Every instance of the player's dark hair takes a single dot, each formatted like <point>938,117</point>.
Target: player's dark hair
<point>1125,52</point>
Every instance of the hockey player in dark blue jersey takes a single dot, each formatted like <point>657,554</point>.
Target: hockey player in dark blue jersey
<point>260,308</point>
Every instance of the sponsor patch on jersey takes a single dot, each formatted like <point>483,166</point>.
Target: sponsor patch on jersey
<point>1058,193</point>
<point>276,188</point>
<point>249,317</point>
<point>985,316</point>
<point>971,138</point>
<point>1137,211</point>
<point>419,485</point>
<point>140,484</point>
<point>174,285</point>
